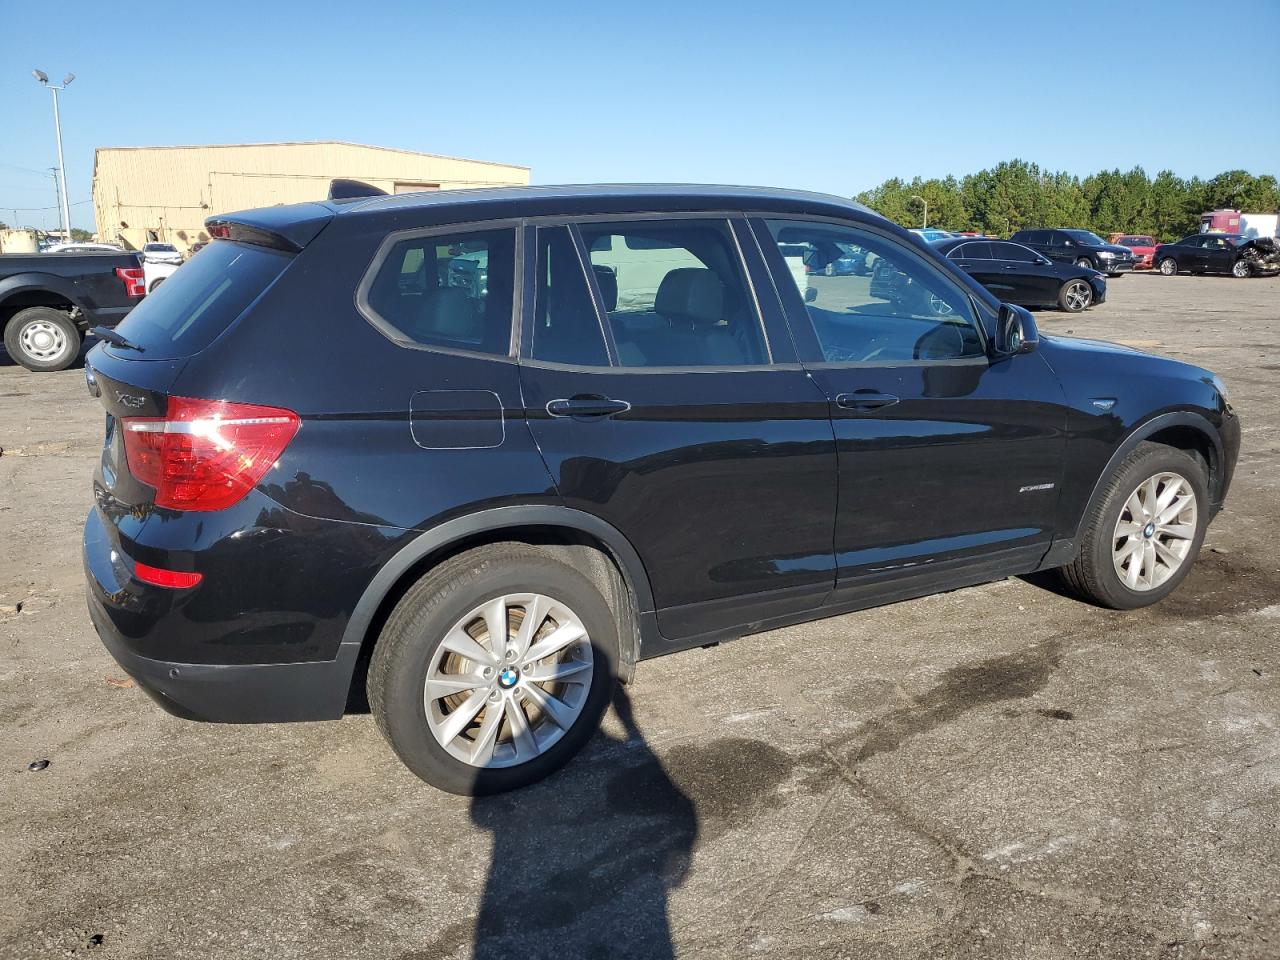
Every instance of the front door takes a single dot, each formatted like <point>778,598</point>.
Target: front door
<point>668,403</point>
<point>949,461</point>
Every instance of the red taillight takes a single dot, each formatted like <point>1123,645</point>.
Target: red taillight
<point>206,454</point>
<point>166,578</point>
<point>135,283</point>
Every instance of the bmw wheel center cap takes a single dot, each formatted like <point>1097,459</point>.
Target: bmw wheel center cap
<point>1149,530</point>
<point>508,677</point>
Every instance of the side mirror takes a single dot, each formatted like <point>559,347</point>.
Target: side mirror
<point>1015,331</point>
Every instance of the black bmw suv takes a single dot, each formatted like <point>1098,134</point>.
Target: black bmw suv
<point>1081,247</point>
<point>482,451</point>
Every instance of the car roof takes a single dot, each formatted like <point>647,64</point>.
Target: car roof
<point>299,223</point>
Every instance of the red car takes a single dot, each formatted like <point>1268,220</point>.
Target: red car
<point>1143,248</point>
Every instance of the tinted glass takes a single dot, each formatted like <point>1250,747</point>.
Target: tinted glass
<point>1014,252</point>
<point>1084,236</point>
<point>905,310</point>
<point>450,291</point>
<point>979,250</point>
<point>675,293</point>
<point>200,300</point>
<point>565,326</point>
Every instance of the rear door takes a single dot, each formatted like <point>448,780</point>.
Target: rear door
<point>949,462</point>
<point>975,258</point>
<point>667,399</point>
<point>1032,283</point>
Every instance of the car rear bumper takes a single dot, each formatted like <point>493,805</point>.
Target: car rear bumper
<point>124,612</point>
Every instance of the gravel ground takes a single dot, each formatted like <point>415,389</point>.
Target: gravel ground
<point>995,772</point>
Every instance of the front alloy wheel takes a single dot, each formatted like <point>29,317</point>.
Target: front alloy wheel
<point>1240,269</point>
<point>1154,533</point>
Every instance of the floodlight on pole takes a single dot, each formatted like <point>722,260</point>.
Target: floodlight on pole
<point>43,79</point>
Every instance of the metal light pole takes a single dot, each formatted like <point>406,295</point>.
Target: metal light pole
<point>925,224</point>
<point>43,79</point>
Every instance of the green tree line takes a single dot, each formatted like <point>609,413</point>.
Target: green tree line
<point>1016,194</point>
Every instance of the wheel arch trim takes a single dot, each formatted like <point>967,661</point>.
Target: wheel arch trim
<point>1146,429</point>
<point>39,283</point>
<point>491,521</point>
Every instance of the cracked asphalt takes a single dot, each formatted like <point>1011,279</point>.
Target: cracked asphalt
<point>995,772</point>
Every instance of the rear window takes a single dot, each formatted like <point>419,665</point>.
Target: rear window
<point>202,298</point>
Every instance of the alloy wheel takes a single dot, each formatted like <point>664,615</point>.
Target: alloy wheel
<point>1078,295</point>
<point>1155,531</point>
<point>1239,269</point>
<point>43,341</point>
<point>509,680</point>
<point>1168,267</point>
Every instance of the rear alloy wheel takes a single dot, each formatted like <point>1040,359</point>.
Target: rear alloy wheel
<point>1240,269</point>
<point>494,669</point>
<point>1075,295</point>
<point>1141,537</point>
<point>42,339</point>
<point>1168,266</point>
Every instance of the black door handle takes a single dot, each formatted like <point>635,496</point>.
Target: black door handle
<point>865,400</point>
<point>588,408</point>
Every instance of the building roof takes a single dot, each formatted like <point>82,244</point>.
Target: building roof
<point>309,143</point>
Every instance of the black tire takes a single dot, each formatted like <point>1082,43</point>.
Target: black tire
<point>1075,296</point>
<point>1084,262</point>
<point>49,319</point>
<point>1092,575</point>
<point>1168,266</point>
<point>416,627</point>
<point>158,281</point>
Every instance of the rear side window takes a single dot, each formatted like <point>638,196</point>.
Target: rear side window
<point>975,251</point>
<point>445,290</point>
<point>202,298</point>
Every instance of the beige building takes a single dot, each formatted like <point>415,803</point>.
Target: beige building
<point>165,193</point>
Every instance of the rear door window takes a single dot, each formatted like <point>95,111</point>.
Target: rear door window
<point>202,298</point>
<point>675,293</point>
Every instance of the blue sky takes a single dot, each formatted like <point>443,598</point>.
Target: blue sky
<point>833,97</point>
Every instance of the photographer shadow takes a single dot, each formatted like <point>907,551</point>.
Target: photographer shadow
<point>583,868</point>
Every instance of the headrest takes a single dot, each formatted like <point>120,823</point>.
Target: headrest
<point>448,313</point>
<point>607,281</point>
<point>693,295</point>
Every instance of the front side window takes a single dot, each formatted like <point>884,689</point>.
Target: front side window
<point>1014,252</point>
<point>905,310</point>
<point>447,290</point>
<point>675,293</point>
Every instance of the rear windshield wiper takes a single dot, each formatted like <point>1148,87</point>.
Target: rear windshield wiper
<point>109,335</point>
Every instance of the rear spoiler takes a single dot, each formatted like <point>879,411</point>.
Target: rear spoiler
<point>341,189</point>
<point>288,228</point>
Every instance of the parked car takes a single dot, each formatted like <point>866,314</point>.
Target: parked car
<point>1142,247</point>
<point>48,302</point>
<point>853,262</point>
<point>1217,253</point>
<point>161,253</point>
<point>932,235</point>
<point>501,499</point>
<point>1017,274</point>
<point>156,272</point>
<point>1080,247</point>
